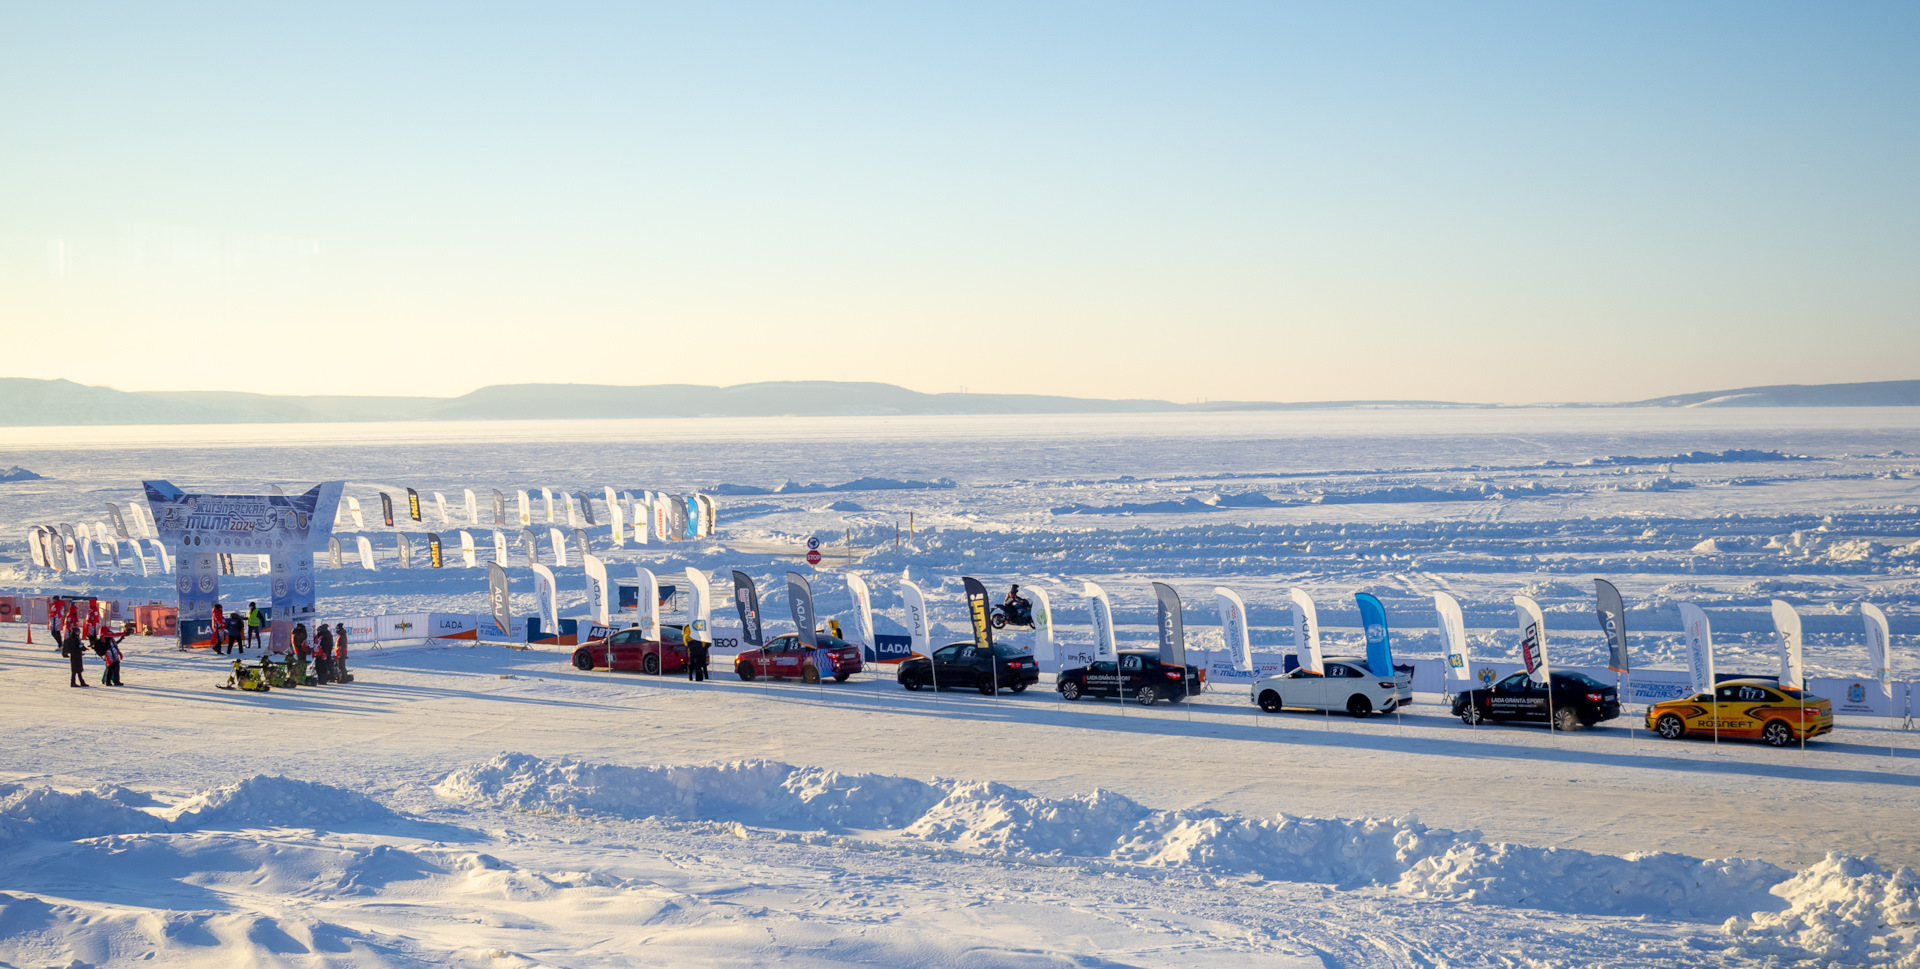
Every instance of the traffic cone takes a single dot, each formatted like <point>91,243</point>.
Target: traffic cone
<point>29,634</point>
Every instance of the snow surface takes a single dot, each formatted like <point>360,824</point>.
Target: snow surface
<point>480,806</point>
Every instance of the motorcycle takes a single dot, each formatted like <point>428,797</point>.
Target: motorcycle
<point>1019,613</point>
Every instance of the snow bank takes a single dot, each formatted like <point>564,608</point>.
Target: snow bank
<point>46,814</point>
<point>1566,880</point>
<point>1730,456</point>
<point>269,800</point>
<point>792,487</point>
<point>1844,908</point>
<point>756,791</point>
<point>17,473</point>
<point>993,819</point>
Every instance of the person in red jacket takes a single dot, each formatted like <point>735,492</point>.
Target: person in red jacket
<point>219,628</point>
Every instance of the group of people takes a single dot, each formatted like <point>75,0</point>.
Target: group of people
<point>327,651</point>
<point>236,629</point>
<point>75,632</point>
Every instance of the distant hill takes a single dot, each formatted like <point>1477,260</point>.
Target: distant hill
<point>1879,393</point>
<point>26,401</point>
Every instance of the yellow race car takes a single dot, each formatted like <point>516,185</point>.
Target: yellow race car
<point>1749,709</point>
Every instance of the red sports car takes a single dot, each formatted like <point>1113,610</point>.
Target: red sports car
<point>788,656</point>
<point>630,651</point>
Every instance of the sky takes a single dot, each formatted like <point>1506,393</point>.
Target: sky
<point>1196,201</point>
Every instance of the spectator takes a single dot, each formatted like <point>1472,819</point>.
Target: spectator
<point>76,655</point>
<point>219,628</point>
<point>340,674</point>
<point>236,631</point>
<point>254,619</point>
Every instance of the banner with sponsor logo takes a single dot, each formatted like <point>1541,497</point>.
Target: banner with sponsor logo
<point>413,505</point>
<point>500,547</point>
<point>1533,638</point>
<point>294,599</point>
<point>522,508</point>
<point>546,502</point>
<point>386,508</point>
<point>468,558</point>
<point>649,603</point>
<point>586,509</point>
<point>1044,647</point>
<point>559,543</point>
<point>436,555</point>
<point>567,505</point>
<point>919,632</point>
<point>1786,626</point>
<point>598,608</point>
<point>472,505</point>
<point>546,599</point>
<point>208,525</point>
<point>1306,630</point>
<point>1233,628</point>
<point>440,506</point>
<point>700,604</point>
<point>1879,645</point>
<point>1698,635</point>
<point>1373,622</point>
<point>800,604</point>
<point>979,612</point>
<point>1613,622</point>
<point>499,598</point>
<point>1453,637</point>
<point>1106,647</point>
<point>119,520</point>
<point>366,553</point>
<point>530,545</point>
<point>353,508</point>
<point>862,610</point>
<point>616,525</point>
<point>581,546</point>
<point>1172,623</point>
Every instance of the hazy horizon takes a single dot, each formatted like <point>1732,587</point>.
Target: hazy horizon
<point>1494,203</point>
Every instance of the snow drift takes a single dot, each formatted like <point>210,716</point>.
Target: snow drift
<point>997,820</point>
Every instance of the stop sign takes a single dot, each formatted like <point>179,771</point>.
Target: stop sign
<point>813,556</point>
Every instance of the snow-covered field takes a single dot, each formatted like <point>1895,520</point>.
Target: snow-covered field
<point>480,806</point>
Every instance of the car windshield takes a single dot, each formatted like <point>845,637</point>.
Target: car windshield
<point>1578,681</point>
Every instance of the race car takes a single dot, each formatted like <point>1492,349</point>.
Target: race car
<point>966,666</point>
<point>1346,685</point>
<point>788,656</point>
<point>1578,700</point>
<point>1744,709</point>
<point>1147,679</point>
<point>629,651</point>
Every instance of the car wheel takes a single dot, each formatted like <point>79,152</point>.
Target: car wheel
<point>1146,696</point>
<point>1070,690</point>
<point>1018,688</point>
<point>743,671</point>
<point>1270,701</point>
<point>1776,733</point>
<point>651,664</point>
<point>1565,719</point>
<point>841,677</point>
<point>1471,716</point>
<point>810,674</point>
<point>985,685</point>
<point>1359,706</point>
<point>1670,727</point>
<point>911,683</point>
<point>582,660</point>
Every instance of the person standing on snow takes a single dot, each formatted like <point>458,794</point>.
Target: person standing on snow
<point>323,647</point>
<point>236,632</point>
<point>340,674</point>
<point>76,655</point>
<point>254,620</point>
<point>110,655</point>
<point>219,628</point>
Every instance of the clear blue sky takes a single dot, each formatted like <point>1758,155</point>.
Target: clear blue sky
<point>1481,202</point>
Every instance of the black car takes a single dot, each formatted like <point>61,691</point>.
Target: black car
<point>966,666</point>
<point>1578,700</point>
<point>1147,679</point>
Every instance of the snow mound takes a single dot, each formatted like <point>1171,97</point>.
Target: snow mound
<point>1730,456</point>
<point>42,813</point>
<point>17,473</point>
<point>757,791</point>
<point>1337,851</point>
<point>996,819</point>
<point>1563,879</point>
<point>869,483</point>
<point>267,800</point>
<point>1843,908</point>
<point>1407,493</point>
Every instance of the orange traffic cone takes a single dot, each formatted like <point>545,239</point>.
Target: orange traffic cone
<point>29,634</point>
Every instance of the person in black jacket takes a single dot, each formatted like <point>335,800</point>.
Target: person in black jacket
<point>76,655</point>
<point>697,657</point>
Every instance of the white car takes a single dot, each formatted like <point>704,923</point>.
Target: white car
<point>1347,685</point>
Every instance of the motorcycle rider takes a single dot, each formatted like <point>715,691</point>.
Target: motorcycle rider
<point>1015,605</point>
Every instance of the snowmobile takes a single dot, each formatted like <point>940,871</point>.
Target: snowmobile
<point>282,674</point>
<point>248,678</point>
<point>1017,613</point>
